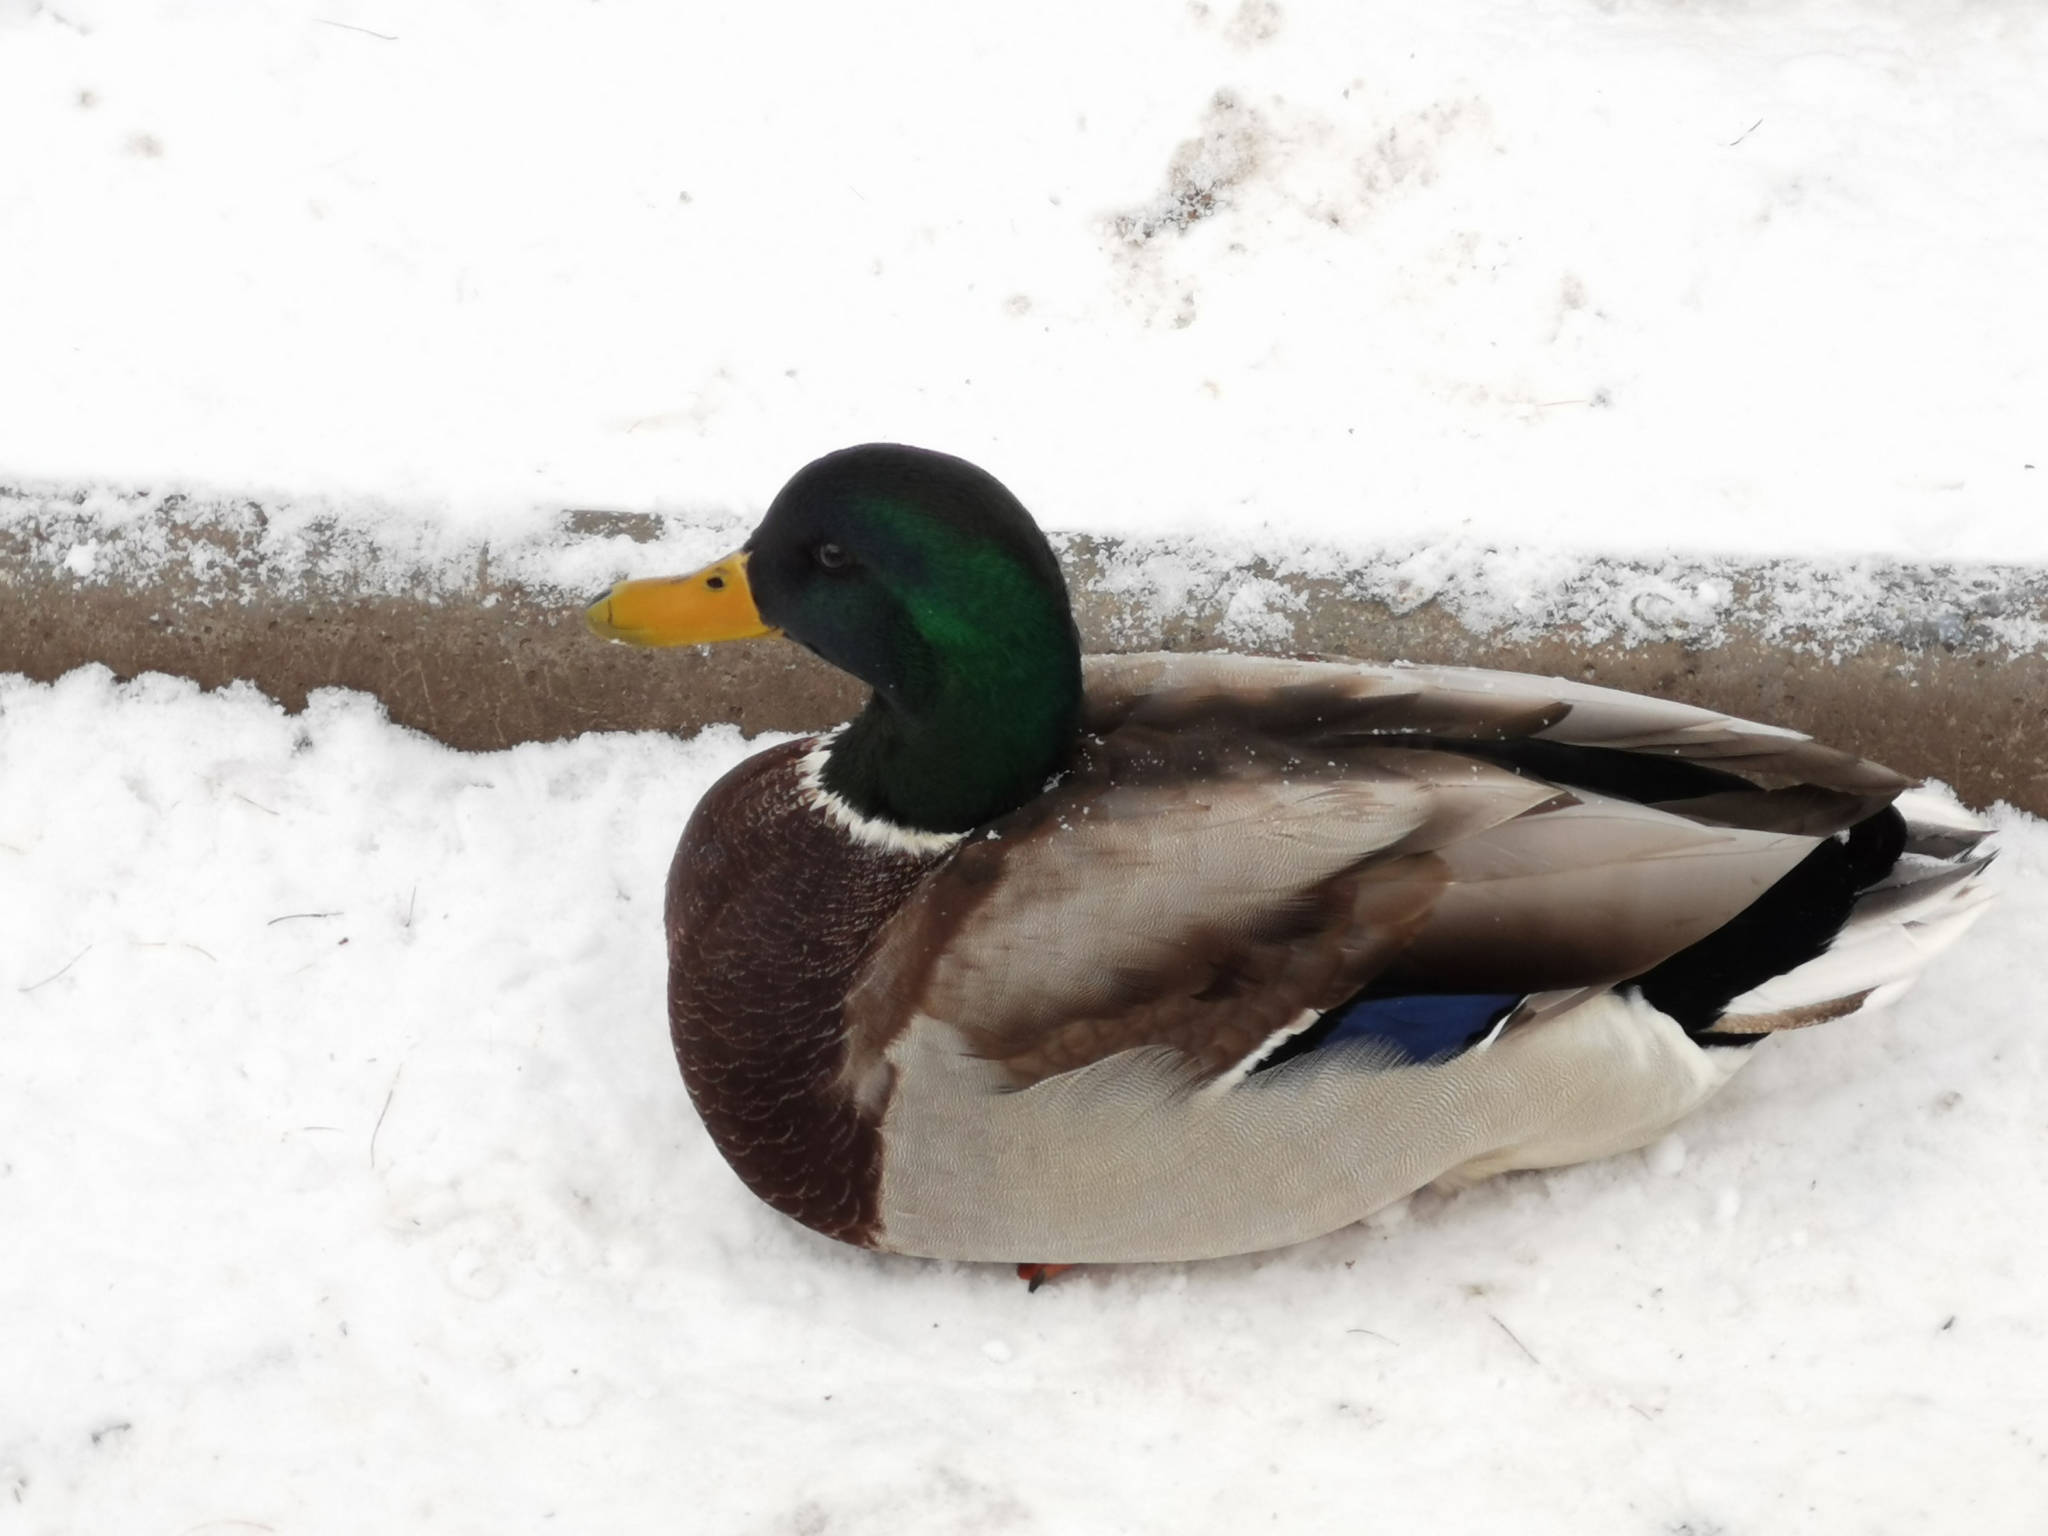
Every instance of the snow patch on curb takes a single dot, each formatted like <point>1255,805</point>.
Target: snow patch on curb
<point>224,549</point>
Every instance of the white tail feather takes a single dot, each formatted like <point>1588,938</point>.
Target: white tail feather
<point>1939,825</point>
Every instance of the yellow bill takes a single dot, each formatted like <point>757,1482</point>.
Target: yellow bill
<point>712,604</point>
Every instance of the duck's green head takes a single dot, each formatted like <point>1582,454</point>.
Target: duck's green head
<point>922,576</point>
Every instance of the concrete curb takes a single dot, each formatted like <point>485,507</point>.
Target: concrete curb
<point>1944,683</point>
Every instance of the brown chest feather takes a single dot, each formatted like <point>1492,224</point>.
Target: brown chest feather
<point>771,909</point>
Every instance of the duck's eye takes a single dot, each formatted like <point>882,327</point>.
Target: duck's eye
<point>832,557</point>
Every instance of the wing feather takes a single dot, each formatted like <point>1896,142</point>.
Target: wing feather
<point>1243,842</point>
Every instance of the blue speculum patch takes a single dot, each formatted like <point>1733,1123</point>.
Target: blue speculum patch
<point>1421,1026</point>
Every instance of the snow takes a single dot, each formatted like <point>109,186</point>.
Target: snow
<point>1613,277</point>
<point>229,550</point>
<point>349,1185</point>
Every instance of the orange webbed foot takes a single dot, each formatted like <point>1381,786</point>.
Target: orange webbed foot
<point>1035,1275</point>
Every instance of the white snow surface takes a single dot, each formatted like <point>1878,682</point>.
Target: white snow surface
<point>1606,275</point>
<point>348,1185</point>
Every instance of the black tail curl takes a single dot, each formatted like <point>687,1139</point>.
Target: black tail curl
<point>1791,923</point>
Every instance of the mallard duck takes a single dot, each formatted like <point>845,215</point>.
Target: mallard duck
<point>1053,959</point>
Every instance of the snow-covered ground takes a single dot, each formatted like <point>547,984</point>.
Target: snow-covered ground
<point>346,1182</point>
<point>1605,274</point>
<point>348,1185</point>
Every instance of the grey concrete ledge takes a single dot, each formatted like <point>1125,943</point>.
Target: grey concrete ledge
<point>1938,671</point>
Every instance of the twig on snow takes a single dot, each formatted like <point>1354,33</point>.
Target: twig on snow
<point>60,971</point>
<point>388,1096</point>
<point>1525,1349</point>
